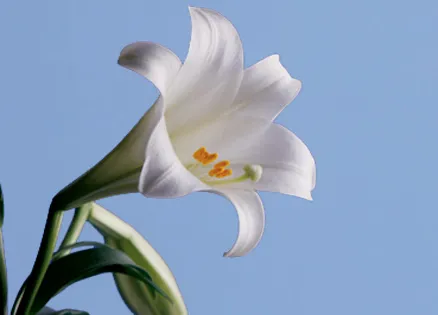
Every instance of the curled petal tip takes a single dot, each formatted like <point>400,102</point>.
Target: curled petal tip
<point>309,196</point>
<point>123,59</point>
<point>305,195</point>
<point>229,255</point>
<point>251,220</point>
<point>192,9</point>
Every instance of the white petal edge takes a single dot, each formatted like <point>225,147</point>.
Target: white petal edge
<point>211,74</point>
<point>288,165</point>
<point>251,215</point>
<point>266,89</point>
<point>163,175</point>
<point>109,176</point>
<point>156,63</point>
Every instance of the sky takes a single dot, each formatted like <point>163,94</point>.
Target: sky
<point>367,244</point>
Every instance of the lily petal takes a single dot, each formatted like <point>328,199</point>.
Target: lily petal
<point>251,219</point>
<point>225,136</point>
<point>288,165</point>
<point>211,75</point>
<point>155,62</point>
<point>163,175</point>
<point>119,171</point>
<point>266,89</point>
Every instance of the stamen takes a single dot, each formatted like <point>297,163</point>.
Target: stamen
<point>209,158</point>
<point>200,154</point>
<point>224,173</point>
<point>222,164</point>
<point>213,172</point>
<point>219,169</point>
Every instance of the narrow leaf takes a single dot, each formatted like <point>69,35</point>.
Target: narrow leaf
<point>68,248</point>
<point>2,208</point>
<point>84,264</point>
<point>137,296</point>
<point>49,311</point>
<point>3,273</point>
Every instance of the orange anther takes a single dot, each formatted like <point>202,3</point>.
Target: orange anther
<point>224,173</point>
<point>222,164</point>
<point>210,158</point>
<point>215,171</point>
<point>200,154</point>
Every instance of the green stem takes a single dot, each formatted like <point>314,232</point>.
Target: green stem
<point>18,298</point>
<point>3,273</point>
<point>107,223</point>
<point>76,226</point>
<point>42,261</point>
<point>226,181</point>
<point>3,278</point>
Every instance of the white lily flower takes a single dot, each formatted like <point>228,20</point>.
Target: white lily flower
<point>137,296</point>
<point>211,129</point>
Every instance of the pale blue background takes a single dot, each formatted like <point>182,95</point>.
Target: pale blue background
<point>368,244</point>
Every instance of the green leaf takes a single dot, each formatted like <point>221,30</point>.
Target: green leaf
<point>64,249</point>
<point>84,264</point>
<point>49,311</point>
<point>137,296</point>
<point>3,273</point>
<point>70,312</point>
<point>2,208</point>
